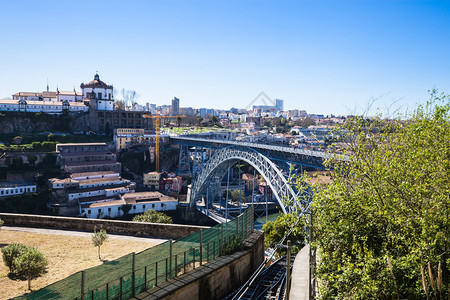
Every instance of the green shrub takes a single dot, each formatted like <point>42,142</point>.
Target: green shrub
<point>236,244</point>
<point>152,216</point>
<point>10,253</point>
<point>30,264</point>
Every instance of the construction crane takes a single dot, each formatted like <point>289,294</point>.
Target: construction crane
<point>157,118</point>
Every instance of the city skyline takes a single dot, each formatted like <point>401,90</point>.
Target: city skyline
<point>320,56</point>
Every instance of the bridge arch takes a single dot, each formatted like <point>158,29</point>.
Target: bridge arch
<point>214,169</point>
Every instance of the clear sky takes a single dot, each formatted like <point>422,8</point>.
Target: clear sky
<point>321,56</point>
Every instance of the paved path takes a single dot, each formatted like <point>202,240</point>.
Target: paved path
<point>81,234</point>
<point>300,276</point>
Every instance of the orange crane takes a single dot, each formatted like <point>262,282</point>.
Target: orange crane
<point>157,118</point>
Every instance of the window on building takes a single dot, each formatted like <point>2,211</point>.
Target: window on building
<point>143,206</point>
<point>153,205</point>
<point>99,96</point>
<point>99,210</point>
<point>89,211</point>
<point>109,209</point>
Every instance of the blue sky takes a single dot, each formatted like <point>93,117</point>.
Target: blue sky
<point>321,56</point>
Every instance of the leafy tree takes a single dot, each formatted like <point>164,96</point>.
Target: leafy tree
<point>152,216</point>
<point>10,253</point>
<point>275,231</point>
<point>48,162</point>
<point>36,146</point>
<point>386,214</point>
<point>305,122</point>
<point>48,146</point>
<point>199,120</point>
<point>119,105</point>
<point>214,120</point>
<point>238,195</point>
<point>31,264</point>
<point>98,238</point>
<point>1,223</point>
<point>178,121</point>
<point>39,178</point>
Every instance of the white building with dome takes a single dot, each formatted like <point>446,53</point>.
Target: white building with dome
<point>98,91</point>
<point>95,94</point>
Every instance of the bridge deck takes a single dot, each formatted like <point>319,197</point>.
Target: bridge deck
<point>285,149</point>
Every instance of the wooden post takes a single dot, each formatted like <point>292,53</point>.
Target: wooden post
<point>133,274</point>
<point>120,291</point>
<point>184,264</point>
<point>82,285</point>
<point>167,268</point>
<point>170,259</point>
<point>156,274</point>
<point>201,247</point>
<point>145,278</point>
<point>221,241</point>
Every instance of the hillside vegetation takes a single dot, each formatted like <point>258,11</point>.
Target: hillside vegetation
<point>382,226</point>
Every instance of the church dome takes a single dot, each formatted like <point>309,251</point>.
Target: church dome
<point>96,83</point>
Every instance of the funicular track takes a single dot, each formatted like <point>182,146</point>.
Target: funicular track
<point>269,284</point>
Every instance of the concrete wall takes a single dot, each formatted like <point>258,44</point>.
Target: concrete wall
<point>216,279</point>
<point>168,231</point>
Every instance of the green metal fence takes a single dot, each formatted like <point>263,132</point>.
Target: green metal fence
<point>136,272</point>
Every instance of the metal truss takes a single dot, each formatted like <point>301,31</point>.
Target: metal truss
<point>213,171</point>
<point>282,153</point>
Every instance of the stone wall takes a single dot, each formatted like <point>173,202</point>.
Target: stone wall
<point>214,280</point>
<point>167,231</point>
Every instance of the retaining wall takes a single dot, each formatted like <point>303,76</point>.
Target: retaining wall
<point>167,231</point>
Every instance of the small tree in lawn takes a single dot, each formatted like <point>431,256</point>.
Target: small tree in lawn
<point>10,253</point>
<point>31,264</point>
<point>98,238</point>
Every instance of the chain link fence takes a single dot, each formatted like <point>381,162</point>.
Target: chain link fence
<point>134,273</point>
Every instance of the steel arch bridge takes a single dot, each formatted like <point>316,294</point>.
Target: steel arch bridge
<point>215,169</point>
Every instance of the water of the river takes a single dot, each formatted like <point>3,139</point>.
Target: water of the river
<point>259,223</point>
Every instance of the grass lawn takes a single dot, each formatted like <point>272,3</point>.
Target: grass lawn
<point>66,255</point>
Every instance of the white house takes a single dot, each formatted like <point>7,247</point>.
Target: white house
<point>11,189</point>
<point>49,107</point>
<point>138,203</point>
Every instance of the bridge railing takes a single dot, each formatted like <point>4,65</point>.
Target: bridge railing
<point>134,273</point>
<point>289,149</point>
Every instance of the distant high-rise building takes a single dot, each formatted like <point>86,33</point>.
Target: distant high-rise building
<point>279,104</point>
<point>175,106</point>
<point>203,112</point>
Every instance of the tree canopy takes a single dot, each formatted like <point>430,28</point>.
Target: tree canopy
<point>382,226</point>
<point>152,216</point>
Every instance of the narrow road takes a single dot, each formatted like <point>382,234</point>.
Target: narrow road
<point>80,233</point>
